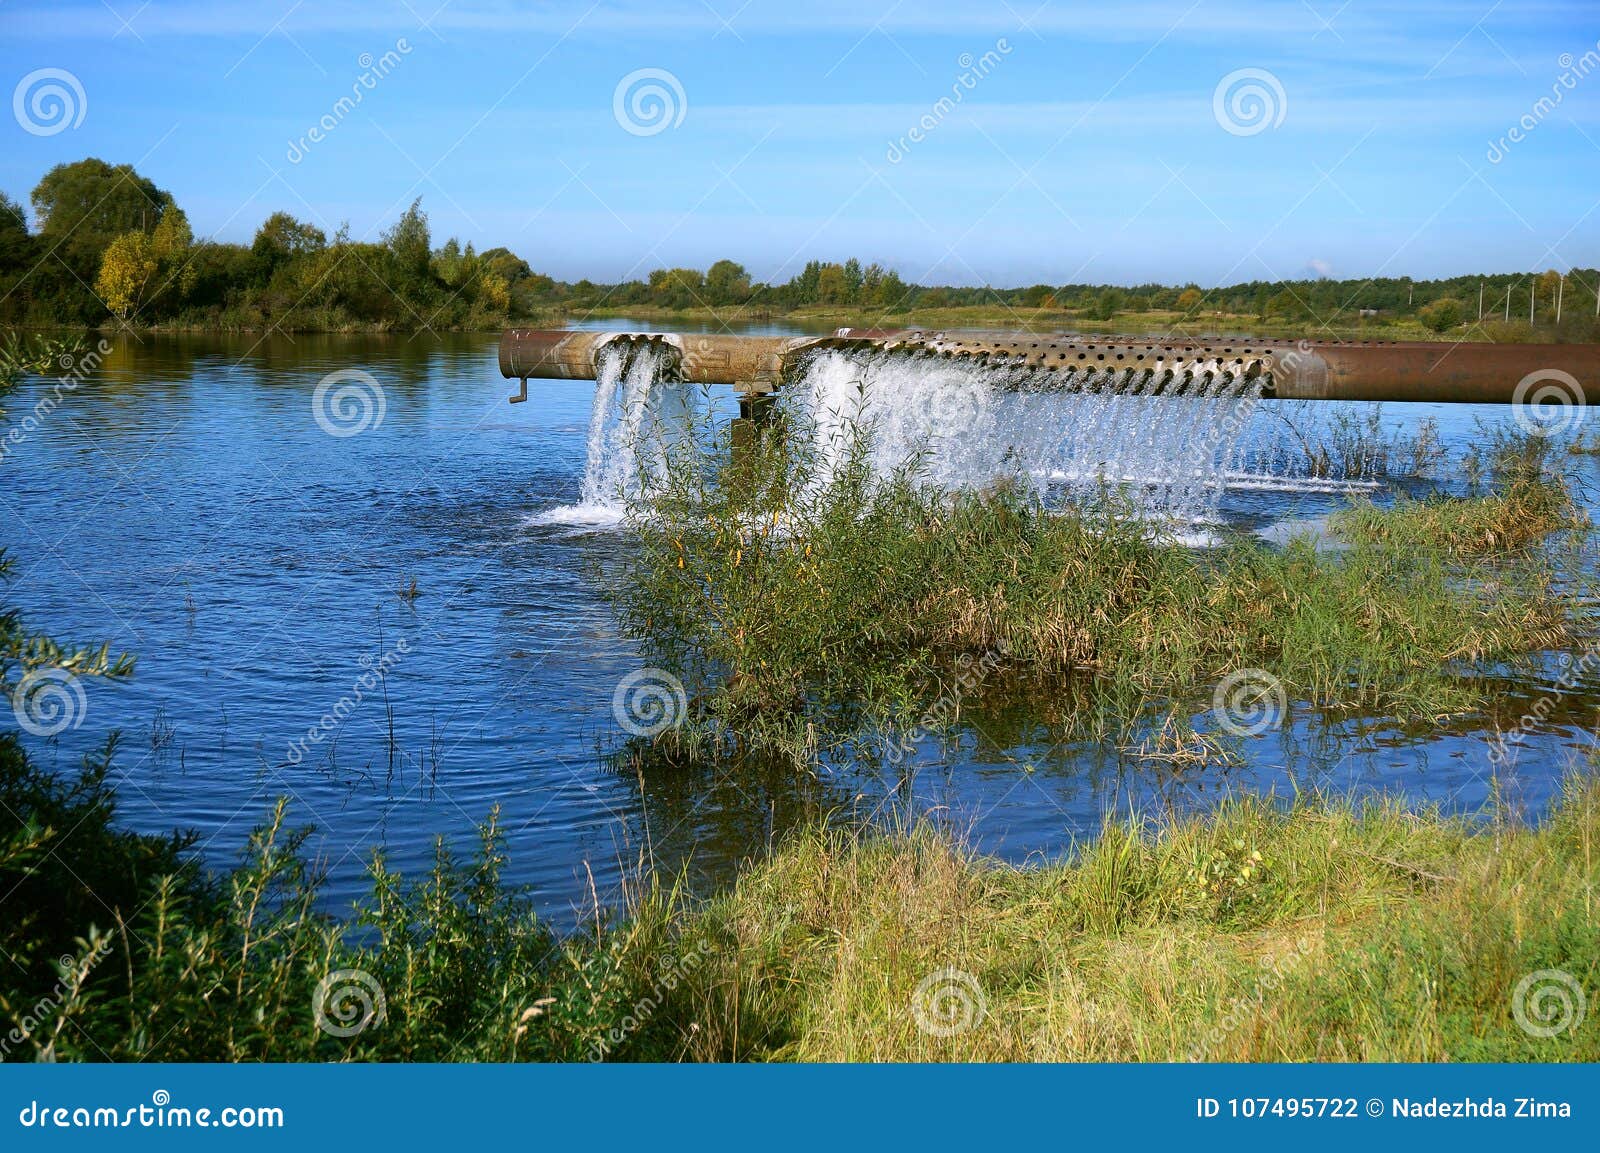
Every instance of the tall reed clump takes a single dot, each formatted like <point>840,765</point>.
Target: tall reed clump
<point>792,598</point>
<point>1527,502</point>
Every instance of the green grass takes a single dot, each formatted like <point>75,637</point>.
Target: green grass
<point>1529,503</point>
<point>1369,933</point>
<point>1311,931</point>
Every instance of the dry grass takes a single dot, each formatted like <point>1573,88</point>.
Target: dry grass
<point>1521,516</point>
<point>1320,933</point>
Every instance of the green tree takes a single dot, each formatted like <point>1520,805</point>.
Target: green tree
<point>80,208</point>
<point>505,263</point>
<point>833,287</point>
<point>91,203</point>
<point>410,243</point>
<point>677,288</point>
<point>853,277</point>
<point>892,292</point>
<point>1286,304</point>
<point>1441,315</point>
<point>282,238</point>
<point>17,254</point>
<point>1106,305</point>
<point>727,283</point>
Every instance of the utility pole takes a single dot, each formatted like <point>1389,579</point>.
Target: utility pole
<point>1508,304</point>
<point>1561,286</point>
<point>1480,302</point>
<point>1533,291</point>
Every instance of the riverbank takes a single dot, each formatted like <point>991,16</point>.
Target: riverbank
<point>1153,324</point>
<point>1313,930</point>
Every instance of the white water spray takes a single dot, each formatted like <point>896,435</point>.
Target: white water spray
<point>1170,444</point>
<point>1066,433</point>
<point>636,413</point>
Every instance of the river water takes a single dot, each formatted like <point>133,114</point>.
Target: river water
<point>417,583</point>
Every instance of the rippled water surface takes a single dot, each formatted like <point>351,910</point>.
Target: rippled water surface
<point>187,506</point>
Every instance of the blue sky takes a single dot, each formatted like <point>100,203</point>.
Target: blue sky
<point>1091,148</point>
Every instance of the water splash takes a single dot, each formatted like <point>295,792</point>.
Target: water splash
<point>1170,442</point>
<point>638,409</point>
<point>1070,434</point>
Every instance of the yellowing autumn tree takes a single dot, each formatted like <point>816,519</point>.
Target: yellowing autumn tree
<point>138,266</point>
<point>125,270</point>
<point>494,290</point>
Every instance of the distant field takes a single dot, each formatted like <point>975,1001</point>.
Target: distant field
<point>1153,322</point>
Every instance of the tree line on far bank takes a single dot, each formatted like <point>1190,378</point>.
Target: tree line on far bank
<point>106,245</point>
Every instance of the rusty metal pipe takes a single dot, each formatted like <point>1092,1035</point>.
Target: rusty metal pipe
<point>1305,370</point>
